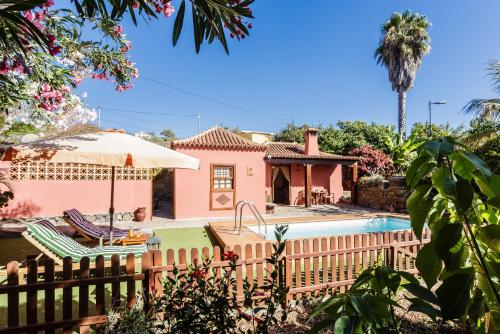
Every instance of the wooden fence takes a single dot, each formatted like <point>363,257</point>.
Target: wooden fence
<point>311,267</point>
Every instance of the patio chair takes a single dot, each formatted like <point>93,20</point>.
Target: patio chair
<point>89,230</point>
<point>57,246</point>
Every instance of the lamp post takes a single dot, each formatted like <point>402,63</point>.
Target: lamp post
<point>430,114</point>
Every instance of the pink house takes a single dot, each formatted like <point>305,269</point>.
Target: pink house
<point>233,168</point>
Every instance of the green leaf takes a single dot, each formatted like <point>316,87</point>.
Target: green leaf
<point>419,206</point>
<point>332,301</point>
<point>179,21</point>
<point>362,307</point>
<point>408,277</point>
<point>415,166</point>
<point>421,292</point>
<point>490,188</point>
<point>437,149</point>
<point>495,202</point>
<point>465,194</point>
<point>476,308</point>
<point>454,294</point>
<point>490,236</point>
<point>422,172</point>
<point>471,162</point>
<point>346,325</point>
<point>421,306</point>
<point>429,265</point>
<point>448,236</point>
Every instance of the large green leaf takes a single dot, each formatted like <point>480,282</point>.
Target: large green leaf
<point>415,166</point>
<point>490,236</point>
<point>429,265</point>
<point>421,306</point>
<point>437,149</point>
<point>418,206</point>
<point>490,188</point>
<point>421,292</point>
<point>468,161</point>
<point>333,302</point>
<point>454,294</point>
<point>447,237</point>
<point>346,325</point>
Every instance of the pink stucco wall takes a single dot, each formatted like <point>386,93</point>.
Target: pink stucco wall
<point>327,176</point>
<point>42,198</point>
<point>192,187</point>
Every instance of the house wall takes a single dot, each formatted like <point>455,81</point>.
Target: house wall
<point>45,198</point>
<point>192,187</point>
<point>327,176</point>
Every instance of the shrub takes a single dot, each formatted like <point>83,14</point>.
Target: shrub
<point>125,321</point>
<point>371,181</point>
<point>372,161</point>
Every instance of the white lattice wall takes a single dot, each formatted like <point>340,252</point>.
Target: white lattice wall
<point>75,172</point>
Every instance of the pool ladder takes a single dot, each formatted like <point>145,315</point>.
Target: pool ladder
<point>255,212</point>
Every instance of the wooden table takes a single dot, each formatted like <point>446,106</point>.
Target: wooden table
<point>134,240</point>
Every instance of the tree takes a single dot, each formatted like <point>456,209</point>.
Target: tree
<point>404,42</point>
<point>291,133</point>
<point>489,108</point>
<point>211,20</point>
<point>372,161</point>
<point>168,135</point>
<point>420,131</point>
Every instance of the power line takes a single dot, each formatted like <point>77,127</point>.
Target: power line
<point>145,121</point>
<point>147,112</point>
<point>209,99</point>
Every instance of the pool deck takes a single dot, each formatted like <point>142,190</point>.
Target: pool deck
<point>228,237</point>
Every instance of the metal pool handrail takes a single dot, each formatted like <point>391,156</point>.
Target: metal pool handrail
<point>241,204</point>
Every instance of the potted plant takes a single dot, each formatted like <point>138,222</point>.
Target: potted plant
<point>140,214</point>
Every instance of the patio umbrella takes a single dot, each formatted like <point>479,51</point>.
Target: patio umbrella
<point>108,148</point>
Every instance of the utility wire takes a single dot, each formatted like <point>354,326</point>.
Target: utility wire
<point>147,112</point>
<point>164,84</point>
<point>145,121</point>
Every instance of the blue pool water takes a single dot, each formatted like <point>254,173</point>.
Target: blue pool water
<point>337,227</point>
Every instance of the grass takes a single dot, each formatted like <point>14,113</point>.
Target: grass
<point>193,237</point>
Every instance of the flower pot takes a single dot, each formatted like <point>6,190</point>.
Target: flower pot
<point>140,214</point>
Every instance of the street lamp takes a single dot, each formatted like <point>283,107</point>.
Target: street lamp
<point>430,113</point>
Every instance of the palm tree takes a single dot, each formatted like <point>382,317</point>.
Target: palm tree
<point>404,42</point>
<point>488,108</point>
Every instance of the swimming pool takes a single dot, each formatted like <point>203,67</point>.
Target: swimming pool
<point>337,227</point>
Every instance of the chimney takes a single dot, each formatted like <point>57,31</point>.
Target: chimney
<point>311,147</point>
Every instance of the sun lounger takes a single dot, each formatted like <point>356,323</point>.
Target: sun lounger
<point>57,246</point>
<point>89,230</point>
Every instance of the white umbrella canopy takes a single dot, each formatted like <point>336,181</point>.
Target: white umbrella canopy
<point>104,148</point>
<point>108,148</point>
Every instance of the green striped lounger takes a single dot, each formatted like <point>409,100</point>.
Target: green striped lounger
<point>62,245</point>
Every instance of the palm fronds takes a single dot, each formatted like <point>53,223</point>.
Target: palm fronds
<point>488,108</point>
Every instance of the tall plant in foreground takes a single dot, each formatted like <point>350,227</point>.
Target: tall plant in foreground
<point>458,197</point>
<point>404,42</point>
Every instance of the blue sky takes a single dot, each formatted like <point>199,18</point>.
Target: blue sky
<point>307,61</point>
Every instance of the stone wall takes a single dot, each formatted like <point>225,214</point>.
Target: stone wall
<point>100,218</point>
<point>389,196</point>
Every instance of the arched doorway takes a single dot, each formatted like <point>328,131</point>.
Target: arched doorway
<point>281,185</point>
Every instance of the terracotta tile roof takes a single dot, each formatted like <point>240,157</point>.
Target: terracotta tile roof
<point>296,151</point>
<point>218,137</point>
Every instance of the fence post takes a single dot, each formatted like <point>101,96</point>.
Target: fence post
<point>390,258</point>
<point>13,297</point>
<point>157,276</point>
<point>288,271</point>
<point>146,282</point>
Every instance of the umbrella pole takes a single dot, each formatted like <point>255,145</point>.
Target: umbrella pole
<point>111,208</point>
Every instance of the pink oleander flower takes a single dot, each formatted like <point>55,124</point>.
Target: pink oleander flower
<point>48,3</point>
<point>117,31</point>
<point>168,10</point>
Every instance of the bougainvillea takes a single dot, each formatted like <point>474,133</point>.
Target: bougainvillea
<point>372,161</point>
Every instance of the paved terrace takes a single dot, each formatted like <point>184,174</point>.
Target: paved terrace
<point>281,212</point>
